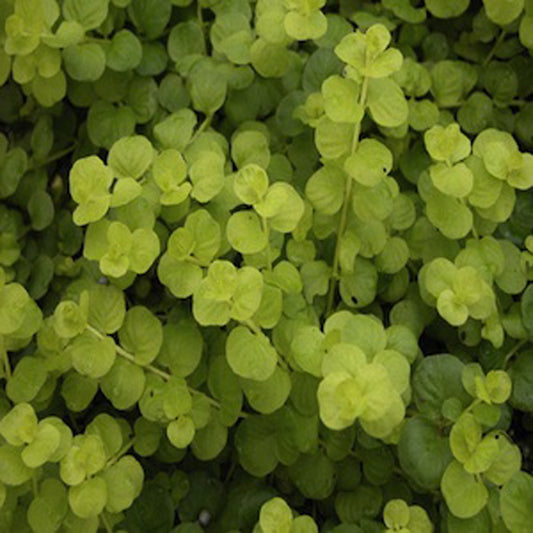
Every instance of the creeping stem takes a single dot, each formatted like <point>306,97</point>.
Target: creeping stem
<point>345,206</point>
<point>151,368</point>
<point>266,231</point>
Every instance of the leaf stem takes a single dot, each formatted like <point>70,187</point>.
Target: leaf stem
<point>131,358</point>
<point>53,157</point>
<point>490,55</point>
<point>252,325</point>
<point>34,485</point>
<point>345,206</point>
<point>203,126</point>
<point>151,368</point>
<point>199,13</point>
<point>112,460</point>
<point>7,366</point>
<point>475,403</point>
<point>106,524</point>
<point>512,352</point>
<point>266,230</point>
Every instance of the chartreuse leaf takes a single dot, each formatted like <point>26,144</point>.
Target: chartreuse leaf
<point>396,514</point>
<point>19,425</point>
<point>175,131</point>
<point>206,86</point>
<point>92,356</point>
<point>502,159</point>
<point>130,157</point>
<point>169,171</point>
<point>443,9</point>
<point>307,348</point>
<point>250,355</point>
<point>141,334</point>
<point>70,319</point>
<point>508,461</point>
<point>181,431</point>
<point>516,502</point>
<point>370,163</point>
<point>282,207</point>
<point>84,61</point>
<point>476,455</point>
<point>364,392</point>
<point>68,33</point>
<point>250,147</point>
<point>227,293</point>
<point>341,100</point>
<point>86,457</point>
<point>124,482</point>
<point>451,216</point>
<point>447,144</point>
<point>245,233</point>
<point>207,176</point>
<point>89,498</point>
<point>124,384</point>
<point>188,247</point>
<point>269,395</point>
<point>251,184</point>
<point>275,516</point>
<point>89,16</point>
<point>423,452</point>
<point>48,510</point>
<point>118,249</point>
<point>387,103</point>
<point>109,430</point>
<point>27,380</point>
<point>182,348</point>
<point>13,471</point>
<point>78,391</point>
<point>305,20</point>
<point>125,52</point>
<point>231,35</point>
<point>503,14</point>
<point>212,299</point>
<point>90,180</point>
<point>107,308</point>
<point>456,180</point>
<point>43,446</point>
<point>368,54</point>
<point>464,494</point>
<point>270,59</point>
<point>325,189</point>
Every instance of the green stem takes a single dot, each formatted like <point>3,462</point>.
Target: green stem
<point>106,524</point>
<point>490,55</point>
<point>34,486</point>
<point>282,363</point>
<point>266,231</point>
<point>98,40</point>
<point>112,460</point>
<point>476,402</point>
<point>193,261</point>
<point>345,207</point>
<point>252,325</point>
<point>199,13</point>
<point>474,230</point>
<point>7,366</point>
<point>203,126</point>
<point>513,351</point>
<point>53,157</point>
<point>151,368</point>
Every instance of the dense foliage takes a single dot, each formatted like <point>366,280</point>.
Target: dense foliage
<point>265,266</point>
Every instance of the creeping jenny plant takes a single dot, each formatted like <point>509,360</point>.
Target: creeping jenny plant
<point>266,266</point>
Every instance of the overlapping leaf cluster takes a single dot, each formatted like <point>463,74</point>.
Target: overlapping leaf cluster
<point>265,266</point>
